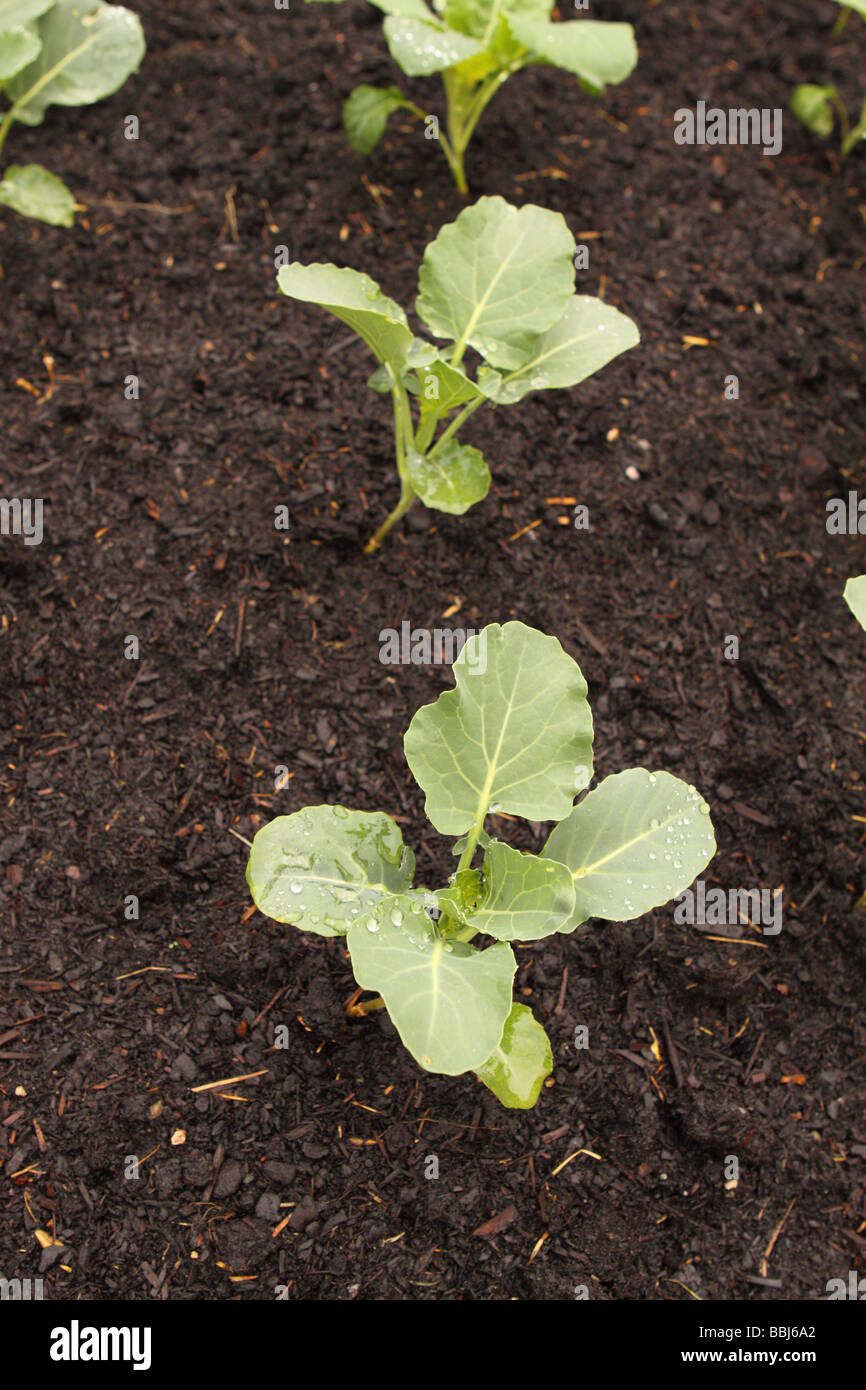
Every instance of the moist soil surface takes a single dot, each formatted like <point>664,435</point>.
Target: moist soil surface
<point>259,650</point>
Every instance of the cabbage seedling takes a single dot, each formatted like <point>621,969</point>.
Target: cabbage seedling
<point>514,735</point>
<point>818,107</point>
<point>477,45</point>
<point>499,280</point>
<point>63,53</point>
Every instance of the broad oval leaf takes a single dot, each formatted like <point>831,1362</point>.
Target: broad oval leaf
<point>89,48</point>
<point>495,278</point>
<point>589,334</point>
<point>365,115</point>
<point>453,480</point>
<point>34,192</point>
<point>855,597</point>
<point>447,1001</point>
<point>421,47</point>
<point>516,1071</point>
<point>321,867</point>
<point>18,47</point>
<point>524,897</point>
<point>355,299</point>
<point>632,844</point>
<point>598,51</point>
<point>814,107</point>
<point>515,733</point>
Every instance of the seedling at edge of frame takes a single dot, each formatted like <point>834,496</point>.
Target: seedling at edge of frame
<point>477,45</point>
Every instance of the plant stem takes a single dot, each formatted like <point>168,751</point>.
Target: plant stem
<point>456,424</point>
<point>855,134</point>
<point>402,440</point>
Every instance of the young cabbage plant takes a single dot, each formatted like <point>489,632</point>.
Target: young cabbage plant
<point>477,45</point>
<point>818,107</point>
<point>513,735</point>
<point>499,280</point>
<point>62,53</point>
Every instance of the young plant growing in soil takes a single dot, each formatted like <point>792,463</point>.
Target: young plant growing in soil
<point>499,280</point>
<point>62,53</point>
<point>477,45</point>
<point>514,735</point>
<point>817,107</point>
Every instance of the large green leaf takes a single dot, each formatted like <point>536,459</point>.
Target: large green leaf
<point>358,301</point>
<point>365,115</point>
<point>322,867</point>
<point>88,51</point>
<point>525,897</point>
<point>421,47</point>
<point>18,47</point>
<point>633,844</point>
<point>597,51</point>
<point>15,12</point>
<point>858,5</point>
<point>33,191</point>
<point>589,334</point>
<point>448,1001</point>
<point>855,597</point>
<point>516,1070</point>
<point>514,734</point>
<point>496,278</point>
<point>453,480</point>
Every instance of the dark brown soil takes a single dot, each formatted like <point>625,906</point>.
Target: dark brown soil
<point>123,777</point>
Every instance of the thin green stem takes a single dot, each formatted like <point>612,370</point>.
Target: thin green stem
<point>402,442</point>
<point>855,133</point>
<point>5,127</point>
<point>456,424</point>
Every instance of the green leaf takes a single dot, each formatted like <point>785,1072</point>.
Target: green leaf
<point>448,1002</point>
<point>813,106</point>
<point>18,47</point>
<point>855,597</point>
<point>33,191</point>
<point>365,115</point>
<point>517,1069</point>
<point>422,47</point>
<point>453,481</point>
<point>524,898</point>
<point>322,867</point>
<point>452,388</point>
<point>355,299</point>
<point>597,51</point>
<point>633,844</point>
<point>88,48</point>
<point>495,278</point>
<point>589,334</point>
<point>858,5</point>
<point>15,12</point>
<point>514,735</point>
